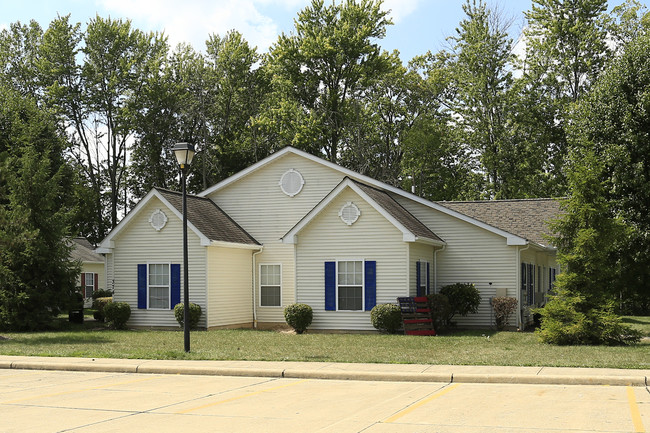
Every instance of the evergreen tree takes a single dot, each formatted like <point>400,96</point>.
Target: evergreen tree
<point>37,277</point>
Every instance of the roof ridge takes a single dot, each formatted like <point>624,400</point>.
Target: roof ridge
<point>505,200</point>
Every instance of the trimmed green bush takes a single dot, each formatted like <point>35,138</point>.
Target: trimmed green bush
<point>440,310</point>
<point>195,314</point>
<point>503,307</point>
<point>117,314</point>
<point>464,299</point>
<point>298,316</point>
<point>102,293</point>
<point>386,318</point>
<point>98,305</point>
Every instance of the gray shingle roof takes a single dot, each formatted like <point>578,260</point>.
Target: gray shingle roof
<point>398,212</point>
<point>527,218</point>
<point>209,219</point>
<point>84,251</point>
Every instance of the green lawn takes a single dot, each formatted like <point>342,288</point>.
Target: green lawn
<point>463,348</point>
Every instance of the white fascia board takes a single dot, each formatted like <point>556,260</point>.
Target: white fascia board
<point>107,245</point>
<point>511,238</point>
<point>224,244</point>
<point>291,236</point>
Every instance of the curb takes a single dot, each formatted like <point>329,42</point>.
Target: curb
<point>151,367</point>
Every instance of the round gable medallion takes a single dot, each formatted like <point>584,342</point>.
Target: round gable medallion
<point>291,182</point>
<point>158,220</point>
<point>349,213</point>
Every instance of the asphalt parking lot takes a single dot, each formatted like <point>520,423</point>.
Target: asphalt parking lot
<point>78,401</point>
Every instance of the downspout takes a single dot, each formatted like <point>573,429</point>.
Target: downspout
<point>520,320</point>
<point>254,286</point>
<point>435,267</point>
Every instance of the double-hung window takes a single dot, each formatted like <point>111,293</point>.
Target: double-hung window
<point>350,285</point>
<point>89,284</point>
<point>270,285</point>
<point>159,288</point>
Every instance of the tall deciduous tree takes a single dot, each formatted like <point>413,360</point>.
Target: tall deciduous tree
<point>482,105</point>
<point>566,50</point>
<point>323,70</point>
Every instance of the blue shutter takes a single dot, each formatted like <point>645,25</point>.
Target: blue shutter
<point>142,286</point>
<point>417,278</point>
<point>330,286</point>
<point>428,279</point>
<point>175,270</point>
<point>370,284</point>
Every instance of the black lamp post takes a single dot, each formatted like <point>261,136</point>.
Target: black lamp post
<point>184,153</point>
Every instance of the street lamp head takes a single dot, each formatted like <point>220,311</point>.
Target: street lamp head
<point>184,153</point>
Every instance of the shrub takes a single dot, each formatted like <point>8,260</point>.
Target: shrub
<point>386,317</point>
<point>195,314</point>
<point>76,308</point>
<point>298,316</point>
<point>102,293</point>
<point>98,305</point>
<point>503,307</point>
<point>440,310</point>
<point>464,299</point>
<point>568,320</point>
<point>117,314</point>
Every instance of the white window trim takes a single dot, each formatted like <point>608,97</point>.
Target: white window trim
<point>356,217</point>
<point>260,285</point>
<point>363,285</point>
<point>169,286</point>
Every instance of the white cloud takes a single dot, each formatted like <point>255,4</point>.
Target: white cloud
<point>193,21</point>
<point>399,9</point>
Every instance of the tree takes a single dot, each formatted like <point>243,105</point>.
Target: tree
<point>566,50</point>
<point>19,57</point>
<point>37,277</point>
<point>481,106</point>
<point>322,71</point>
<point>613,121</point>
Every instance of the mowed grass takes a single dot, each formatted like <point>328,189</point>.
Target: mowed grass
<point>462,348</point>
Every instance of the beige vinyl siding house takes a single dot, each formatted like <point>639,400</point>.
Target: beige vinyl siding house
<point>296,228</point>
<point>92,275</point>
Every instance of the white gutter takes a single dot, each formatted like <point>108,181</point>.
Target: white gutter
<point>435,267</point>
<point>254,286</point>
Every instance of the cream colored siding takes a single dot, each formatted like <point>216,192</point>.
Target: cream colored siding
<point>260,207</point>
<point>230,296</point>
<point>139,243</point>
<point>543,261</point>
<point>95,268</point>
<point>283,254</point>
<point>327,238</point>
<point>472,255</point>
<point>424,253</point>
<point>258,204</point>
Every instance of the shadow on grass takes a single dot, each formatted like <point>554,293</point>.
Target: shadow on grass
<point>58,338</point>
<point>635,320</point>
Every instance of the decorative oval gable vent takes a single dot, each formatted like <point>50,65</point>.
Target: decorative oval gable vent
<point>158,220</point>
<point>349,213</point>
<point>291,182</point>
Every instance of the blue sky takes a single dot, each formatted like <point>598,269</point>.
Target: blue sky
<point>419,25</point>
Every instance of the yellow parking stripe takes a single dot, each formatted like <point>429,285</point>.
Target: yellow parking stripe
<point>78,390</point>
<point>421,403</point>
<point>634,410</point>
<point>241,396</point>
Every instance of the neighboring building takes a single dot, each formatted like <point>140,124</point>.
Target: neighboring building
<point>296,228</point>
<point>93,267</point>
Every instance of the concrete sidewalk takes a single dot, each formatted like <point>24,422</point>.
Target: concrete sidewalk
<point>342,371</point>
